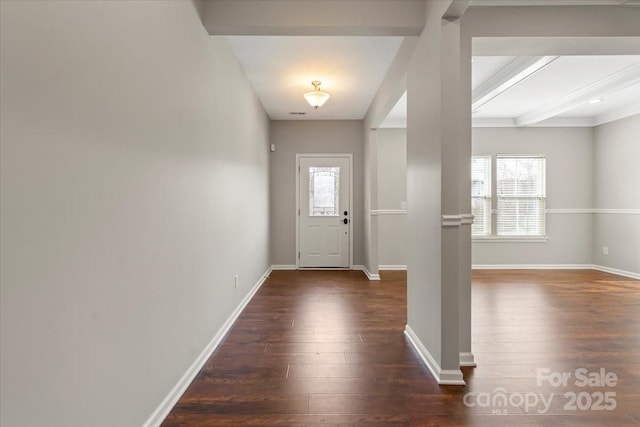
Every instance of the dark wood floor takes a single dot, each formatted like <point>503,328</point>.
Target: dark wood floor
<point>319,348</point>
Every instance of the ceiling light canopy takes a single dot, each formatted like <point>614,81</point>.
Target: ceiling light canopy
<point>316,98</point>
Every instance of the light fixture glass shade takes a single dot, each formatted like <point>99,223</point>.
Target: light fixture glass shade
<point>316,98</point>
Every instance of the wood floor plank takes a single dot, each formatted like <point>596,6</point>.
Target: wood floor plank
<point>521,421</point>
<point>376,420</point>
<point>327,348</point>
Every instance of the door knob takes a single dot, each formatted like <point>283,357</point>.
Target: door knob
<point>346,221</point>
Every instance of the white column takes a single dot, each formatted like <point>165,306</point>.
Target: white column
<point>464,197</point>
<point>371,203</point>
<point>433,188</point>
<point>451,220</point>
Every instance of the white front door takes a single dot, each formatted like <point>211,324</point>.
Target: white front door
<point>325,211</point>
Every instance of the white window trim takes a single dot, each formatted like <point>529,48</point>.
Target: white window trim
<point>488,197</point>
<point>509,239</point>
<point>523,238</point>
<point>495,238</point>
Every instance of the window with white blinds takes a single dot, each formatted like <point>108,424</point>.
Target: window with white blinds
<point>481,195</point>
<point>521,195</point>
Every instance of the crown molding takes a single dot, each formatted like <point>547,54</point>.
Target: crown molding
<point>566,122</point>
<point>559,122</point>
<point>493,123</point>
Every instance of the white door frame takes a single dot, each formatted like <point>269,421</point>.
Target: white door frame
<point>297,212</point>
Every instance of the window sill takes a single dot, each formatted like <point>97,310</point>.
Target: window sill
<point>509,239</point>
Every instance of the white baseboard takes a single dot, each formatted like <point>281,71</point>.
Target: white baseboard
<point>443,376</point>
<point>161,412</point>
<point>369,275</point>
<point>624,273</point>
<point>392,267</point>
<point>629,274</point>
<point>283,267</point>
<point>532,267</point>
<point>467,359</point>
<point>362,268</point>
<point>372,276</point>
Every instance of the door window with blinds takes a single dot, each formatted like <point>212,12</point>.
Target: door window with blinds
<point>521,195</point>
<point>481,195</point>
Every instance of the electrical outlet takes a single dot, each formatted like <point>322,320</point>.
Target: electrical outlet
<point>236,281</point>
<point>605,250</point>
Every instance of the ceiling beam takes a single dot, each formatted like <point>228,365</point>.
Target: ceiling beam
<point>513,73</point>
<point>540,46</point>
<point>600,89</point>
<point>558,21</point>
<point>314,18</point>
<point>478,3</point>
<point>393,86</point>
<point>548,2</point>
<point>456,9</point>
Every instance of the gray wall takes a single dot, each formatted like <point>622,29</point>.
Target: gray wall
<point>617,185</point>
<point>587,168</point>
<point>134,186</point>
<point>306,136</point>
<point>570,185</point>
<point>392,195</point>
<point>569,154</point>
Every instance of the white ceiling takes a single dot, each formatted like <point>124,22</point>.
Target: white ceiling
<point>549,91</point>
<point>508,90</point>
<point>281,69</point>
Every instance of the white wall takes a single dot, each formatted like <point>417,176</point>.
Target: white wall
<point>306,136</point>
<point>617,185</point>
<point>134,186</point>
<point>569,166</point>
<point>392,197</point>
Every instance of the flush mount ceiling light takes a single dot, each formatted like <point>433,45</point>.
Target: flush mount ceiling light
<point>595,100</point>
<point>316,98</point>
